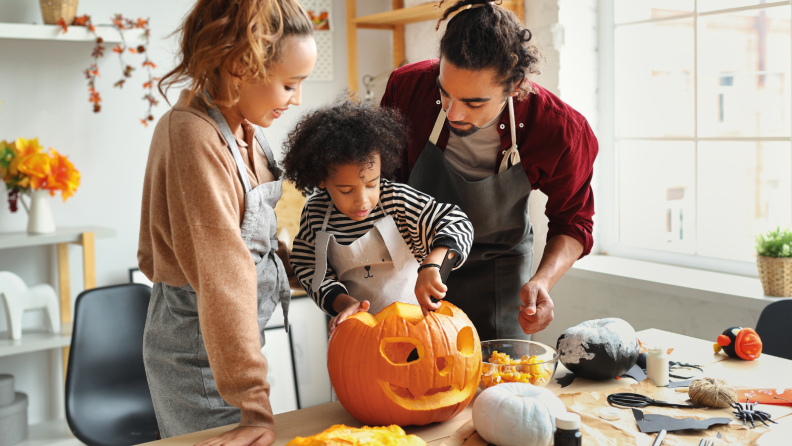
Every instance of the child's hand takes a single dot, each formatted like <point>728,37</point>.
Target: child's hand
<point>351,309</point>
<point>427,286</point>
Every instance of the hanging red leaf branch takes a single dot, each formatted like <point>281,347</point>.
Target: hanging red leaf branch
<point>120,23</point>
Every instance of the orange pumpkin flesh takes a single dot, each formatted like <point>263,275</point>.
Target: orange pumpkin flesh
<point>369,369</point>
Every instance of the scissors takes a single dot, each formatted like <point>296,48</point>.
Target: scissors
<point>638,400</point>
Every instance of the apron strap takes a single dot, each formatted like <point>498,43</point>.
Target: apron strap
<point>265,147</point>
<point>320,264</point>
<point>397,247</point>
<point>320,249</point>
<point>230,141</point>
<point>438,127</point>
<point>511,156</point>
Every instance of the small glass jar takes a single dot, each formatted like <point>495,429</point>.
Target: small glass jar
<point>657,365</point>
<point>568,430</point>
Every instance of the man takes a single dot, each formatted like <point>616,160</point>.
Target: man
<point>482,137</point>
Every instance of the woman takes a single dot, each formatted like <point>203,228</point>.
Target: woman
<point>207,236</point>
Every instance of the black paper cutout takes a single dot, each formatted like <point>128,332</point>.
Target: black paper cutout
<point>675,384</point>
<point>636,373</point>
<point>566,380</point>
<point>655,423</point>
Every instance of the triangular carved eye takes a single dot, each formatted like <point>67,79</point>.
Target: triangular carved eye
<point>401,351</point>
<point>444,364</point>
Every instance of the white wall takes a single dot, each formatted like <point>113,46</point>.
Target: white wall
<point>44,95</point>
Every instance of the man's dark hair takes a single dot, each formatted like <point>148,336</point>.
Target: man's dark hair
<point>346,132</point>
<point>483,35</point>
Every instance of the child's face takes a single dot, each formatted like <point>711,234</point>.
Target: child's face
<point>354,189</point>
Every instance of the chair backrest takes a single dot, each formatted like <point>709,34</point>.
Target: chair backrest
<point>107,395</point>
<point>775,329</point>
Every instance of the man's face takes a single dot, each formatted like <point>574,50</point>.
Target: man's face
<point>471,98</point>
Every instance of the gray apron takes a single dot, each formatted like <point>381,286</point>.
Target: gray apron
<point>378,267</point>
<point>182,385</point>
<point>487,287</point>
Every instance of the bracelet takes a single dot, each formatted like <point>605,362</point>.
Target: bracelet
<point>428,265</point>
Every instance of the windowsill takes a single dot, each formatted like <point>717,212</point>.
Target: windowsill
<point>719,288</point>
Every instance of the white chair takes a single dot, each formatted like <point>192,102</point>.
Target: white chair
<point>18,298</point>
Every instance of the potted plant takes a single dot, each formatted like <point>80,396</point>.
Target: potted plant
<point>27,169</point>
<point>774,261</point>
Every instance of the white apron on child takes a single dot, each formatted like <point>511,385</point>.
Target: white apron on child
<point>378,267</point>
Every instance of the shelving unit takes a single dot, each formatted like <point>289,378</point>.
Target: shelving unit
<point>54,433</point>
<point>23,31</point>
<point>62,237</point>
<point>394,20</point>
<point>32,342</point>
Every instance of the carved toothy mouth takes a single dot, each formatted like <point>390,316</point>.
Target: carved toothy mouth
<point>434,398</point>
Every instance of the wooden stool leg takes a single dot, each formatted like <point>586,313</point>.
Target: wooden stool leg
<point>65,295</point>
<point>89,260</point>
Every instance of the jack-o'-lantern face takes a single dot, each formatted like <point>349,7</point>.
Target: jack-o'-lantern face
<point>397,367</point>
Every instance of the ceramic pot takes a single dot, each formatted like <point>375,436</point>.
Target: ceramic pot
<point>40,219</point>
<point>54,10</point>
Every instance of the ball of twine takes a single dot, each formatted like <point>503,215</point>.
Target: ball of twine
<point>711,392</point>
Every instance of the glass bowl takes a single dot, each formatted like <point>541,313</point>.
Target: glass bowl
<point>543,361</point>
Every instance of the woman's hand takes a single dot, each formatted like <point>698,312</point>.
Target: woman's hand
<point>427,286</point>
<point>353,306</point>
<point>242,436</point>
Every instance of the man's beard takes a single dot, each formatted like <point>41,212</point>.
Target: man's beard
<point>463,133</point>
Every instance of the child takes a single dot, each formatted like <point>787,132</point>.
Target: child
<point>362,236</point>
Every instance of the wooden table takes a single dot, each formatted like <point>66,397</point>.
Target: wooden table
<point>768,370</point>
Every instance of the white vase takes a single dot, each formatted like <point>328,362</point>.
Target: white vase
<point>40,219</point>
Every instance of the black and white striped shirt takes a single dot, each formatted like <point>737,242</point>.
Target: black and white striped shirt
<point>423,223</point>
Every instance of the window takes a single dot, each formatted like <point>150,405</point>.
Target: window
<point>697,111</point>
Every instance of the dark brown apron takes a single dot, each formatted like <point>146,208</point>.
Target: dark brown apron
<point>487,287</point>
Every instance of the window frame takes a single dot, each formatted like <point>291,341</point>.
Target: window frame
<point>608,182</point>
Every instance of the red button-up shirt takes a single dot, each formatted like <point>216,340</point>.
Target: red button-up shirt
<point>556,145</point>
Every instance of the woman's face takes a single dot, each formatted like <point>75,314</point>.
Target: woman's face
<point>354,189</point>
<point>262,102</point>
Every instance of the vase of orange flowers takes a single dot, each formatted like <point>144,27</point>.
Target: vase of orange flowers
<point>29,170</point>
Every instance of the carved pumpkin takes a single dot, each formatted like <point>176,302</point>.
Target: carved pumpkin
<point>339,434</point>
<point>397,367</point>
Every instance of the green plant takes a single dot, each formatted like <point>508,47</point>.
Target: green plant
<point>775,243</point>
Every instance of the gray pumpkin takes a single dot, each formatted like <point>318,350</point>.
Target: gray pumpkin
<point>599,349</point>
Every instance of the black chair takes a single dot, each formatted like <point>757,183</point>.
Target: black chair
<point>107,396</point>
<point>775,329</point>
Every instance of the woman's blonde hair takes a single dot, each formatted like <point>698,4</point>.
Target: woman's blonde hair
<point>239,38</point>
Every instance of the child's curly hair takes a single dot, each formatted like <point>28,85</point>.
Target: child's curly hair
<point>348,131</point>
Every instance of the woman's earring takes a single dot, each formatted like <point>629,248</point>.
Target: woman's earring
<point>237,87</point>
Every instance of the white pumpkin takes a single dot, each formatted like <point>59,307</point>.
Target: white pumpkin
<point>517,414</point>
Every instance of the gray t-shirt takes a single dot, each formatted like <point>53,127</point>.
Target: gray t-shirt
<point>475,157</point>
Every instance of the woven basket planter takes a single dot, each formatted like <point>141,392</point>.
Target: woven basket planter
<point>54,10</point>
<point>776,275</point>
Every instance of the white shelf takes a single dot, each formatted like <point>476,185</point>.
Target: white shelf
<point>32,342</point>
<point>61,235</point>
<point>51,433</point>
<point>109,34</point>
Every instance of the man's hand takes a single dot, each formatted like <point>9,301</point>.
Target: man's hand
<point>536,313</point>
<point>242,436</point>
<point>353,307</point>
<point>427,286</point>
